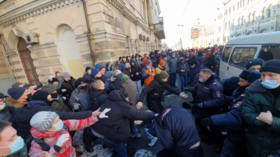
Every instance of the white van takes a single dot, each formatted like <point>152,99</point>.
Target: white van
<point>238,51</point>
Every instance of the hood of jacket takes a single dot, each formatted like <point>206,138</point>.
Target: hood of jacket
<point>95,92</point>
<point>116,83</point>
<point>152,54</point>
<point>116,96</point>
<point>107,66</point>
<point>14,103</point>
<point>133,61</point>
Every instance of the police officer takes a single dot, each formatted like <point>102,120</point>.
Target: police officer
<point>254,64</point>
<point>232,119</point>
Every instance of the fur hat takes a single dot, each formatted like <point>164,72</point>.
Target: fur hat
<point>250,75</point>
<point>253,62</point>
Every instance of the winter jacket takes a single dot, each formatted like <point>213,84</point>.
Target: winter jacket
<point>107,66</point>
<point>60,78</point>
<point>69,86</point>
<point>146,76</point>
<point>154,60</point>
<point>159,69</point>
<point>23,115</point>
<point>21,153</point>
<point>117,126</point>
<point>262,139</point>
<point>193,72</point>
<point>211,63</point>
<point>176,130</point>
<point>183,66</point>
<point>166,65</point>
<point>51,138</point>
<point>154,92</point>
<point>98,95</point>
<point>80,96</point>
<point>158,56</point>
<point>14,103</point>
<point>210,94</point>
<point>127,72</point>
<point>89,78</point>
<point>135,69</point>
<point>6,113</point>
<point>107,85</point>
<point>202,59</point>
<point>131,90</point>
<point>59,105</point>
<point>172,63</point>
<point>121,66</point>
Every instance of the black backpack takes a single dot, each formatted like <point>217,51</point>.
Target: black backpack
<point>41,142</point>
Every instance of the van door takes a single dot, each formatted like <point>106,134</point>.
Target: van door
<point>240,55</point>
<point>224,61</point>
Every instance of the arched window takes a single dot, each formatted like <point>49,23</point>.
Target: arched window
<point>225,26</point>
<point>263,13</point>
<point>270,11</point>
<point>249,18</point>
<point>254,16</point>
<point>226,13</point>
<point>242,20</point>
<point>248,2</point>
<point>243,3</point>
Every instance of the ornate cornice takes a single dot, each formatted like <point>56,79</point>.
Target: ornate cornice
<point>35,8</point>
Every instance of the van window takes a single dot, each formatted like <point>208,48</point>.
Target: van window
<point>269,52</point>
<point>226,54</point>
<point>241,55</point>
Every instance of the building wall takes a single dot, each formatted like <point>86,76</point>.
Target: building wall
<point>114,31</point>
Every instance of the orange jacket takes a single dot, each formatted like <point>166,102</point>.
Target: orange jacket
<point>148,78</point>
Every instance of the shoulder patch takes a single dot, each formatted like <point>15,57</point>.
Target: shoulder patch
<point>218,94</point>
<point>238,104</point>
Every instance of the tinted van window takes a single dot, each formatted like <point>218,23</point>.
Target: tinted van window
<point>226,54</point>
<point>241,55</point>
<point>269,52</point>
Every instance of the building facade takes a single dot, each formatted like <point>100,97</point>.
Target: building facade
<point>38,38</point>
<point>245,17</point>
<point>205,36</point>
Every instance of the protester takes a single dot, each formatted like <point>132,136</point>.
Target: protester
<point>165,58</point>
<point>160,67</point>
<point>254,64</point>
<point>97,93</point>
<point>121,66</point>
<point>6,112</point>
<point>183,70</point>
<point>260,111</point>
<point>59,77</point>
<point>148,73</point>
<point>108,75</point>
<point>96,74</point>
<point>68,85</point>
<point>102,71</point>
<point>211,63</point>
<point>136,75</point>
<point>48,126</point>
<point>18,97</point>
<point>194,70</point>
<point>87,75</point>
<point>127,69</point>
<point>172,64</point>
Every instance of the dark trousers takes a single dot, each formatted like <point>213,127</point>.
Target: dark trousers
<point>172,79</point>
<point>88,138</point>
<point>184,81</point>
<point>192,152</point>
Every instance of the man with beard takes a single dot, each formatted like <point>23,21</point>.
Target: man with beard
<point>231,118</point>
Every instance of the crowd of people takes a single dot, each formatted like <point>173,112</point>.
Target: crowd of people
<point>239,114</point>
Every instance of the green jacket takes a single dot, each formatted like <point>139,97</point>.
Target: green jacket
<point>59,105</point>
<point>262,139</point>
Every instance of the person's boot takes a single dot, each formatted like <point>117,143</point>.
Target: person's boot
<point>135,135</point>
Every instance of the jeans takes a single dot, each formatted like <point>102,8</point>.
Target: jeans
<point>117,146</point>
<point>148,134</point>
<point>184,81</point>
<point>172,79</point>
<point>138,86</point>
<point>134,129</point>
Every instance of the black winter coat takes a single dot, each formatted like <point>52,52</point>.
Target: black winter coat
<point>210,94</point>
<point>202,59</point>
<point>193,72</point>
<point>181,67</point>
<point>100,95</point>
<point>117,126</point>
<point>23,115</point>
<point>154,92</point>
<point>176,130</point>
<point>134,70</point>
<point>88,78</point>
<point>211,63</point>
<point>69,86</point>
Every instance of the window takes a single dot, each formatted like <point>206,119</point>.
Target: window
<point>253,16</point>
<point>226,54</point>
<point>225,26</point>
<point>226,13</point>
<point>263,13</point>
<point>239,21</point>
<point>241,55</point>
<point>248,1</point>
<point>269,11</point>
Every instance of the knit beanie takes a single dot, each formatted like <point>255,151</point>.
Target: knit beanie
<point>250,75</point>
<point>271,66</point>
<point>16,92</point>
<point>108,74</point>
<point>100,68</point>
<point>161,63</point>
<point>43,120</point>
<point>49,88</point>
<point>97,65</point>
<point>54,80</point>
<point>42,95</point>
<point>66,75</point>
<point>253,62</point>
<point>80,80</point>
<point>94,72</point>
<point>87,68</point>
<point>163,75</point>
<point>148,61</point>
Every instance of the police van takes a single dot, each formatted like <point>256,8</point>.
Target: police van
<point>239,50</point>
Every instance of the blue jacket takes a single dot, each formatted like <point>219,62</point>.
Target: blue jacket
<point>172,64</point>
<point>121,66</point>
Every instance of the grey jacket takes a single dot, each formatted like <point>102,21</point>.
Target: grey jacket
<point>172,64</point>
<point>80,97</point>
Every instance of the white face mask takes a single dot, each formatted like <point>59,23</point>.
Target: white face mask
<point>270,84</point>
<point>2,106</point>
<point>201,80</point>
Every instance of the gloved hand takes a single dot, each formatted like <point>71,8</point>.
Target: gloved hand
<point>103,113</point>
<point>206,122</point>
<point>62,139</point>
<point>76,106</point>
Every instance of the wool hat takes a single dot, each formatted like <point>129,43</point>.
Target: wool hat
<point>100,68</point>
<point>66,75</point>
<point>80,80</point>
<point>3,96</point>
<point>49,88</point>
<point>108,74</point>
<point>42,95</point>
<point>271,66</point>
<point>192,62</point>
<point>127,65</point>
<point>163,75</point>
<point>181,58</point>
<point>250,75</point>
<point>54,80</point>
<point>97,65</point>
<point>94,72</point>
<point>148,61</point>
<point>87,68</point>
<point>43,120</point>
<point>252,62</point>
<point>161,63</point>
<point>16,92</point>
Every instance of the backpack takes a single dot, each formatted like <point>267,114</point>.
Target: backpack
<point>41,142</point>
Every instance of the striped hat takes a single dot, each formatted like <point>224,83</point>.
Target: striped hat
<point>43,120</point>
